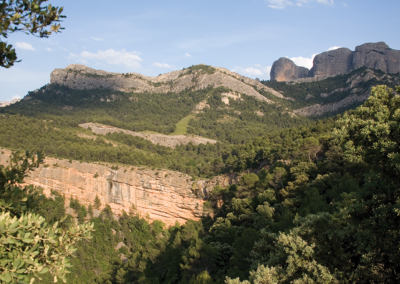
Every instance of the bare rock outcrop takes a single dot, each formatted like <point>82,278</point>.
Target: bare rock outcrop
<point>78,76</point>
<point>157,194</point>
<point>340,61</point>
<point>377,56</point>
<point>333,62</point>
<point>155,138</point>
<point>285,69</point>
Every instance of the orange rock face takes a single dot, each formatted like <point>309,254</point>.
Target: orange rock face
<point>159,194</point>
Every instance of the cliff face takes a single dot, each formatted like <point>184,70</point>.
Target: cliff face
<point>82,77</point>
<point>343,60</point>
<point>338,61</point>
<point>162,194</point>
<point>285,69</point>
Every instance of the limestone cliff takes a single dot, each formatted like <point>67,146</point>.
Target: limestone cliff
<point>161,194</point>
<point>199,77</point>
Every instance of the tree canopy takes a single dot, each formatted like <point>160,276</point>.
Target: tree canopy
<point>27,16</point>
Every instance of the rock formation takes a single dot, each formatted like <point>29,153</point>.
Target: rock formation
<point>340,61</point>
<point>377,56</point>
<point>164,140</point>
<point>157,194</point>
<point>285,69</point>
<point>78,76</point>
<point>333,62</point>
<point>357,92</point>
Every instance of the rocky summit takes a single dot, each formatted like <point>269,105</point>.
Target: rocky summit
<point>197,77</point>
<point>340,61</point>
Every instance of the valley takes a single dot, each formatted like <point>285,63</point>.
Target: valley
<point>202,175</point>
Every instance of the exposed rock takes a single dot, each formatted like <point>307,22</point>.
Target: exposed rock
<point>119,245</point>
<point>82,77</point>
<point>339,61</point>
<point>285,69</point>
<point>309,96</point>
<point>371,55</point>
<point>3,104</point>
<point>155,138</point>
<point>159,194</point>
<point>332,62</point>
<point>318,109</point>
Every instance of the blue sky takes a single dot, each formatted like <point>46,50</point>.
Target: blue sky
<point>158,36</point>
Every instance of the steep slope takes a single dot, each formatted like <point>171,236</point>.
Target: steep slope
<point>334,94</point>
<point>196,78</point>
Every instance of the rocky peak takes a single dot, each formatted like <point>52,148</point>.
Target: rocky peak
<point>341,61</point>
<point>285,69</point>
<point>332,62</point>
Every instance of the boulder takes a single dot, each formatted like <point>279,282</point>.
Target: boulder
<point>332,62</point>
<point>285,69</point>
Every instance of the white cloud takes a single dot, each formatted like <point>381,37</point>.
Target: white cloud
<point>97,38</point>
<point>111,56</point>
<point>187,55</point>
<point>16,97</point>
<point>252,72</point>
<point>162,65</point>
<point>345,4</point>
<point>24,45</point>
<point>334,47</point>
<point>304,61</point>
<point>281,4</point>
<point>49,49</point>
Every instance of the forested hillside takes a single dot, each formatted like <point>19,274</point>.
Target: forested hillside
<point>330,215</point>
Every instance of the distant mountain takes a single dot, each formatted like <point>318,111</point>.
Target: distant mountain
<point>3,104</point>
<point>340,61</point>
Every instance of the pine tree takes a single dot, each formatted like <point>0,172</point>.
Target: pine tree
<point>97,203</point>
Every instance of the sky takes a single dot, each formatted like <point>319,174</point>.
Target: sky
<point>159,36</point>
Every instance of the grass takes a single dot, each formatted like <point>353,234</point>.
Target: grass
<point>182,125</point>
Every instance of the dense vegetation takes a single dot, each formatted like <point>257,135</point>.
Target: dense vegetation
<point>155,112</point>
<point>331,215</point>
<point>54,139</point>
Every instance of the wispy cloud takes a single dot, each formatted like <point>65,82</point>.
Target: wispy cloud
<point>97,38</point>
<point>163,65</point>
<point>16,97</point>
<point>187,55</point>
<point>282,4</point>
<point>252,72</point>
<point>49,49</point>
<point>24,45</point>
<point>110,56</point>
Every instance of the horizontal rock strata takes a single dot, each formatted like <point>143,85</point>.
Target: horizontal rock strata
<point>158,194</point>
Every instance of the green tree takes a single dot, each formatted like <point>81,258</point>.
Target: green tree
<point>371,138</point>
<point>30,247</point>
<point>27,16</point>
<point>97,202</point>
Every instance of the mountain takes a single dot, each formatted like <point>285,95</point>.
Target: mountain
<point>340,61</point>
